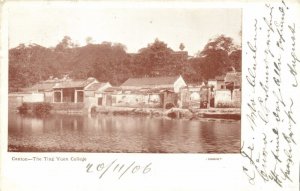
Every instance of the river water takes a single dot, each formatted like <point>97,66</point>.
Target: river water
<point>127,134</point>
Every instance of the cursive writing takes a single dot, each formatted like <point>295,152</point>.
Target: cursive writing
<point>270,107</point>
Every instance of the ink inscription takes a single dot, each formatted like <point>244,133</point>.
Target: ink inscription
<point>270,110</point>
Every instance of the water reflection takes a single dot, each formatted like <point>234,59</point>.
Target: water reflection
<point>105,133</point>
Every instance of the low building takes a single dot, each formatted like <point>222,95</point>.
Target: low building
<point>231,95</point>
<point>71,91</point>
<point>217,83</point>
<point>136,98</point>
<point>45,87</point>
<point>233,80</point>
<point>94,93</point>
<point>39,92</point>
<point>154,91</point>
<point>173,83</point>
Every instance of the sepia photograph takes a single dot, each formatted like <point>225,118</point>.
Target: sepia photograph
<point>124,80</point>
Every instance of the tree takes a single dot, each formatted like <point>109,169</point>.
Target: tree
<point>218,56</point>
<point>89,40</point>
<point>236,59</point>
<point>110,61</point>
<point>65,43</point>
<point>157,59</point>
<point>181,46</point>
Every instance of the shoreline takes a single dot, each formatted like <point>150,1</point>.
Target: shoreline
<point>174,113</point>
<point>178,113</point>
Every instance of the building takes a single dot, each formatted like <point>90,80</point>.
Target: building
<point>71,91</point>
<point>164,91</point>
<point>44,87</point>
<point>138,98</point>
<point>231,95</point>
<point>217,83</point>
<point>173,83</point>
<point>94,93</point>
<point>64,94</point>
<point>233,80</point>
<point>154,92</point>
<point>39,92</point>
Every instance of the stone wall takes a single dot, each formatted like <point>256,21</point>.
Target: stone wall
<point>228,99</point>
<point>223,98</point>
<point>132,100</point>
<point>17,99</point>
<point>236,98</point>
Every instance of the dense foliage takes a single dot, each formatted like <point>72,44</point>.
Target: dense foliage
<point>110,62</point>
<point>37,109</point>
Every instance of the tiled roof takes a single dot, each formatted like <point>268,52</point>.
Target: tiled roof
<point>41,86</point>
<point>150,81</point>
<point>138,91</point>
<point>112,89</point>
<point>95,86</point>
<point>234,77</point>
<point>75,83</point>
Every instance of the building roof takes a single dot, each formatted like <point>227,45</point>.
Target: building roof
<point>233,77</point>
<point>112,89</point>
<point>96,86</point>
<point>40,86</point>
<point>218,78</point>
<point>143,91</point>
<point>75,83</point>
<point>152,81</point>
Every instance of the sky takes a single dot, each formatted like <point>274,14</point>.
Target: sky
<point>134,27</point>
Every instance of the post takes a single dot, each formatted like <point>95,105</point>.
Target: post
<point>75,96</point>
<point>208,98</point>
<point>61,96</point>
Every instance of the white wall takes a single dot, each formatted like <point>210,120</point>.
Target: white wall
<point>179,84</point>
<point>29,97</point>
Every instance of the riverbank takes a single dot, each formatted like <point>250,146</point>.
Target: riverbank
<point>218,113</point>
<point>43,109</point>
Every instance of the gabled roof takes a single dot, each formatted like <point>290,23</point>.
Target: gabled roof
<point>233,77</point>
<point>96,86</point>
<point>151,81</point>
<point>75,83</point>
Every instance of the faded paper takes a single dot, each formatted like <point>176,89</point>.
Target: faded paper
<point>270,112</point>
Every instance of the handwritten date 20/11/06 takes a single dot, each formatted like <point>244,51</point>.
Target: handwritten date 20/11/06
<point>118,169</point>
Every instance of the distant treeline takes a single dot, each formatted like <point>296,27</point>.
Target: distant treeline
<point>110,62</point>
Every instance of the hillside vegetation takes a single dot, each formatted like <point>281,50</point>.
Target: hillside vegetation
<point>110,62</point>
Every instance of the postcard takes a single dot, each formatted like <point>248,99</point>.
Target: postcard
<point>150,95</point>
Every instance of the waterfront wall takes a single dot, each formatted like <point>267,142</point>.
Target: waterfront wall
<point>227,99</point>
<point>15,100</point>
